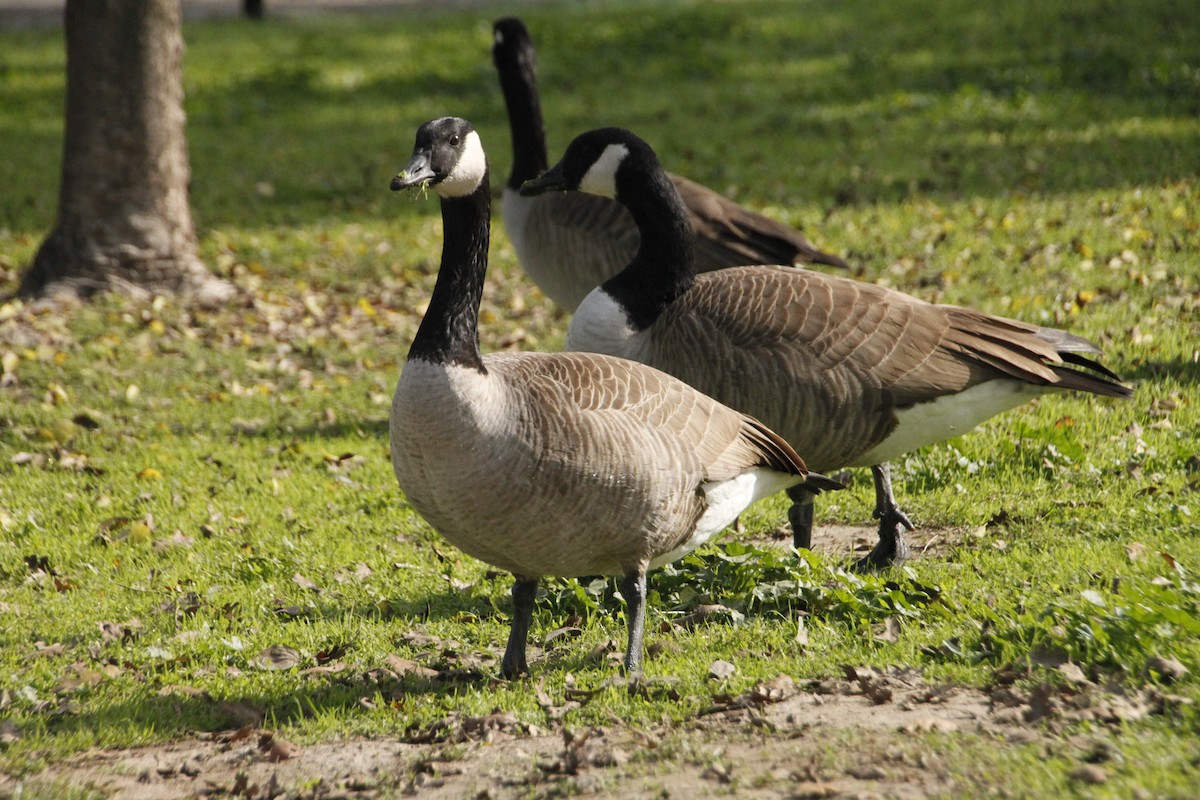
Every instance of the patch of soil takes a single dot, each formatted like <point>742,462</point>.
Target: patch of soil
<point>856,736</point>
<point>849,543</point>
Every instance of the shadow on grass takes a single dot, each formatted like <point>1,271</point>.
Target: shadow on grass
<point>1177,370</point>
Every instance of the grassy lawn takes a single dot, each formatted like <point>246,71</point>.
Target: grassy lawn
<point>199,526</point>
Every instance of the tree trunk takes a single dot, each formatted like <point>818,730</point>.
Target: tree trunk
<point>124,222</point>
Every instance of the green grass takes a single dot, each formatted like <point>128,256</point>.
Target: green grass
<point>1038,161</point>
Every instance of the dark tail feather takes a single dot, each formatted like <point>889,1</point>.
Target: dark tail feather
<point>817,483</point>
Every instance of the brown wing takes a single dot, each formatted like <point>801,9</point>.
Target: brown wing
<point>728,234</point>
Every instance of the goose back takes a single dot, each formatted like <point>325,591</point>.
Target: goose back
<point>850,373</point>
<point>571,464</point>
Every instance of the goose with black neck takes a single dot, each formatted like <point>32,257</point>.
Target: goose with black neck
<point>570,244</point>
<point>850,373</point>
<point>563,464</point>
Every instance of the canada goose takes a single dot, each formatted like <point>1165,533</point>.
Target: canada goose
<point>850,373</point>
<point>570,244</point>
<point>557,464</point>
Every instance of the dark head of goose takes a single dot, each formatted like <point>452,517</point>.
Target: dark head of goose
<point>448,157</point>
<point>592,164</point>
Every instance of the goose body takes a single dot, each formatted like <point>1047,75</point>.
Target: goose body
<point>570,244</point>
<point>557,464</point>
<point>850,373</point>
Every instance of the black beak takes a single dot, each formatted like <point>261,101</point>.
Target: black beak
<point>552,180</point>
<point>417,172</point>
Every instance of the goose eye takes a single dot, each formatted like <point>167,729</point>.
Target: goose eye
<point>454,140</point>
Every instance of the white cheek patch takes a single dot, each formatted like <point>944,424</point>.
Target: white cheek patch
<point>601,177</point>
<point>468,173</point>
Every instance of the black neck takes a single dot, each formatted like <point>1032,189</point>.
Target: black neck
<point>518,80</point>
<point>449,333</point>
<point>665,265</point>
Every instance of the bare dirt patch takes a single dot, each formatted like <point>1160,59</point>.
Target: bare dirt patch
<point>861,735</point>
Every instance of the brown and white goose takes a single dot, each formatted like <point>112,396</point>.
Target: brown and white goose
<point>570,244</point>
<point>557,464</point>
<point>850,373</point>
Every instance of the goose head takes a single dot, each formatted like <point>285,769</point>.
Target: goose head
<point>512,46</point>
<point>447,157</point>
<point>602,162</point>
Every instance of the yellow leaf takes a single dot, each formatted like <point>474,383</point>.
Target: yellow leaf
<point>9,362</point>
<point>157,327</point>
<point>1085,296</point>
<point>139,532</point>
<point>366,307</point>
<point>150,474</point>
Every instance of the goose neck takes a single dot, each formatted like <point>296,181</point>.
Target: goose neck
<point>664,267</point>
<point>518,80</point>
<point>449,332</point>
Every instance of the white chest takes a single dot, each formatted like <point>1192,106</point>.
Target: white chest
<point>601,326</point>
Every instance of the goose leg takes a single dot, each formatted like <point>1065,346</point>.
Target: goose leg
<point>891,550</point>
<point>800,515</point>
<point>523,593</point>
<point>633,587</point>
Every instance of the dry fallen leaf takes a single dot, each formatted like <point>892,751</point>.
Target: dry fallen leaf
<point>721,669</point>
<point>303,582</point>
<point>277,657</point>
<point>403,666</point>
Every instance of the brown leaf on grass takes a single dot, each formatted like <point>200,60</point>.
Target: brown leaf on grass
<point>403,666</point>
<point>776,690</point>
<point>889,631</point>
<point>332,653</point>
<point>1135,551</point>
<point>704,613</point>
<point>304,583</point>
<point>178,539</point>
<point>120,632</point>
<point>41,649</point>
<point>277,749</point>
<point>721,669</point>
<point>564,632</point>
<point>80,676</point>
<point>277,657</point>
<point>241,734</point>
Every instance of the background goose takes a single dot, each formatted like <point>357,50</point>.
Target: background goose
<point>557,464</point>
<point>570,244</point>
<point>850,373</point>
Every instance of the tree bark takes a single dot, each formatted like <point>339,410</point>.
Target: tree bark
<point>124,221</point>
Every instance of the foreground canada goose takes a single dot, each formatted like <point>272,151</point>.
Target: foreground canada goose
<point>850,373</point>
<point>557,464</point>
<point>570,244</point>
